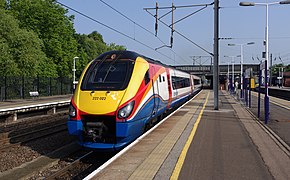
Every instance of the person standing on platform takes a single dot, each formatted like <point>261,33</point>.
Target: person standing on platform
<point>236,87</point>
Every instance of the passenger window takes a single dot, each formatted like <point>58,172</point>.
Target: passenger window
<point>147,77</point>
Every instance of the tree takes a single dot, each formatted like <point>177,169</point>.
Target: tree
<point>275,69</point>
<point>43,26</point>
<point>287,68</point>
<point>49,21</point>
<point>2,4</point>
<point>91,46</point>
<point>113,46</point>
<point>21,50</point>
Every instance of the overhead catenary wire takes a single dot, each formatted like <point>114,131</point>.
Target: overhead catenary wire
<point>113,29</point>
<point>126,17</point>
<point>159,19</point>
<point>135,23</point>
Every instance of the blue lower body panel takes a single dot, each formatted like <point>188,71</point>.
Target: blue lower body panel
<point>177,101</point>
<point>75,127</point>
<point>121,133</point>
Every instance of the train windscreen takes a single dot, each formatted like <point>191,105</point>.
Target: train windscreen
<point>108,75</point>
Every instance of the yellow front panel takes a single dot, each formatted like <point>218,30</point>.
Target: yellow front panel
<point>140,68</point>
<point>104,102</point>
<point>99,102</point>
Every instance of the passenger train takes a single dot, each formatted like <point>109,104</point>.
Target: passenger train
<point>121,94</point>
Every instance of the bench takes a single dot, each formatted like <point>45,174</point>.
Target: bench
<point>33,93</point>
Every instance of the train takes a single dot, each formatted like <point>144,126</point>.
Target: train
<point>121,94</point>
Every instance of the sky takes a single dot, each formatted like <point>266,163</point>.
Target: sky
<point>193,38</point>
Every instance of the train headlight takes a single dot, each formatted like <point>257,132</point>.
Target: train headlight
<point>126,110</point>
<point>72,111</point>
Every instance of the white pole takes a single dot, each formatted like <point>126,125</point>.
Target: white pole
<point>233,76</point>
<point>267,40</point>
<point>228,75</point>
<point>242,61</point>
<point>267,68</point>
<point>74,72</point>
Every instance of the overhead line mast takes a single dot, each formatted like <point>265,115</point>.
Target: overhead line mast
<point>215,54</point>
<point>171,26</point>
<point>156,19</point>
<point>135,23</point>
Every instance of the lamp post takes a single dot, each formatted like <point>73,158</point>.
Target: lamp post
<point>266,100</point>
<point>228,75</point>
<point>74,72</point>
<point>242,61</point>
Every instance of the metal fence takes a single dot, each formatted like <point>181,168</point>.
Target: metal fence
<point>19,87</point>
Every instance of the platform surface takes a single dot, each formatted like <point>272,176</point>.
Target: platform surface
<point>17,103</point>
<point>198,142</point>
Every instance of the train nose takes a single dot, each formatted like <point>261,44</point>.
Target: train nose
<point>100,102</point>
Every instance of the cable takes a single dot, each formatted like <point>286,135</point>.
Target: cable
<point>181,34</point>
<point>126,17</point>
<point>113,29</point>
<point>140,27</point>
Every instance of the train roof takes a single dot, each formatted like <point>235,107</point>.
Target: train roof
<point>128,55</point>
<point>124,54</point>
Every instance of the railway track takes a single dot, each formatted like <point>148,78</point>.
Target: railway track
<point>76,165</point>
<point>7,142</point>
<point>66,162</point>
<point>278,120</point>
<point>278,93</point>
<point>27,140</point>
<point>69,168</point>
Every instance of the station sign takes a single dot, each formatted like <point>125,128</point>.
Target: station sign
<point>262,65</point>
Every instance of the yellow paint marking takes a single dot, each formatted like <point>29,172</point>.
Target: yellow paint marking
<point>181,158</point>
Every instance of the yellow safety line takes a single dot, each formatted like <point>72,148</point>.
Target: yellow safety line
<point>181,158</point>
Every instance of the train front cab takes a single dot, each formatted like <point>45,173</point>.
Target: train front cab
<point>105,117</point>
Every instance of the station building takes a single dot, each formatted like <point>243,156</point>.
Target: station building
<point>206,73</point>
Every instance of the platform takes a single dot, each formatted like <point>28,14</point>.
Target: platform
<point>17,103</point>
<point>11,111</point>
<point>198,142</point>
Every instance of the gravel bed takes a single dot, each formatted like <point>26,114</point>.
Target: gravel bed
<point>86,166</point>
<point>27,123</point>
<point>18,155</point>
<point>48,172</point>
<point>60,165</point>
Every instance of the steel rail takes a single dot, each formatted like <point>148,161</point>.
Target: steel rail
<point>7,142</point>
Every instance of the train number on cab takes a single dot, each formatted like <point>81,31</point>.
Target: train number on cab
<point>99,98</point>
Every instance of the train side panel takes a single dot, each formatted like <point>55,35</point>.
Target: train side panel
<point>181,87</point>
<point>196,84</point>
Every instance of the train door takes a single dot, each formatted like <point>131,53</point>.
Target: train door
<point>192,84</point>
<point>169,85</point>
<point>174,84</point>
<point>156,99</point>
